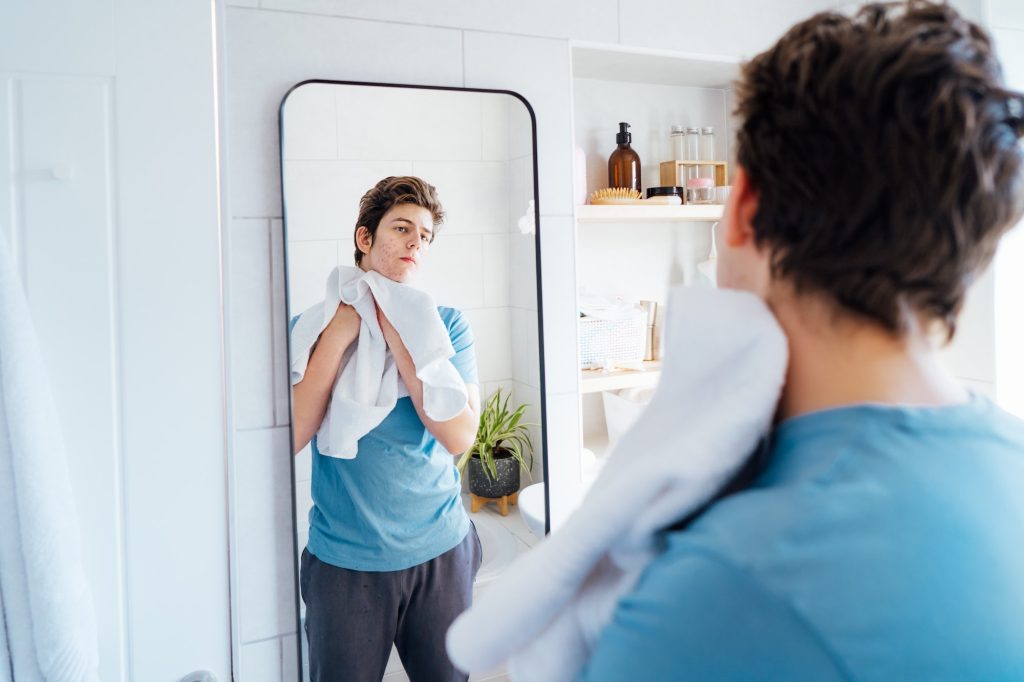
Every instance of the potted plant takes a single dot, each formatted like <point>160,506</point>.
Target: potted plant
<point>501,448</point>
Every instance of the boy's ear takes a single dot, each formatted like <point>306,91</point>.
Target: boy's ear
<point>363,239</point>
<point>739,211</point>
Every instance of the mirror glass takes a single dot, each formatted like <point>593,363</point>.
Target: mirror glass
<point>393,359</point>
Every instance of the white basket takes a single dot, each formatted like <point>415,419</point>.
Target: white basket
<point>604,341</point>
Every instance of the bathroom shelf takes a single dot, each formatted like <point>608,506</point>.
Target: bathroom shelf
<point>627,213</point>
<point>615,62</point>
<point>595,380</point>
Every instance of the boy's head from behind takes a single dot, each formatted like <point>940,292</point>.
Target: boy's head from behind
<point>879,162</point>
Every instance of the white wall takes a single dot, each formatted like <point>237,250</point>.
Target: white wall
<point>120,96</point>
<point>1006,18</point>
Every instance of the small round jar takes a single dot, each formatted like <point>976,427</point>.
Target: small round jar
<point>700,191</point>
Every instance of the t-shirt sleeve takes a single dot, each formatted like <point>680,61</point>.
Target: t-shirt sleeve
<point>461,335</point>
<point>696,617</point>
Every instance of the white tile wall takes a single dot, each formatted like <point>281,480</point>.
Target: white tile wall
<point>452,272</point>
<point>1006,14</point>
<point>263,513</point>
<point>252,361</point>
<point>492,331</point>
<point>588,20</point>
<point>308,266</point>
<point>323,196</point>
<point>496,261</point>
<point>261,661</point>
<point>269,52</point>
<point>313,133</point>
<point>281,374</point>
<point>474,194</point>
<point>728,27</point>
<point>537,69</point>
<point>378,124</point>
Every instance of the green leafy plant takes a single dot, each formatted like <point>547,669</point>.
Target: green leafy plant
<point>501,430</point>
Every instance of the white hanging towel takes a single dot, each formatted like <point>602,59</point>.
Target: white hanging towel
<point>367,387</point>
<point>47,621</point>
<point>723,372</point>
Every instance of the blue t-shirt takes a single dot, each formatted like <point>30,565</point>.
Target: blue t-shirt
<point>397,503</point>
<point>881,543</point>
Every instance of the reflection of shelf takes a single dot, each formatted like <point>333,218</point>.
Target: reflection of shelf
<point>635,213</point>
<point>594,380</point>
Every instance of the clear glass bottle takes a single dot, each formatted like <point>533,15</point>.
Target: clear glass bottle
<point>706,152</point>
<point>678,139</point>
<point>692,151</point>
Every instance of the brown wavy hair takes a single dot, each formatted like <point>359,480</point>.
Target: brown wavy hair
<point>390,192</point>
<point>885,151</point>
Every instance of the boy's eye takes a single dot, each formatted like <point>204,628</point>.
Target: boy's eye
<point>401,228</point>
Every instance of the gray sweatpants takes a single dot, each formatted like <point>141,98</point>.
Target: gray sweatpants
<point>353,617</point>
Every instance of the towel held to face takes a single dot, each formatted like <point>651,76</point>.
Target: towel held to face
<point>367,386</point>
<point>723,372</point>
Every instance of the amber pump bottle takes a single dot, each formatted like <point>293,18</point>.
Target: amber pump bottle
<point>624,163</point>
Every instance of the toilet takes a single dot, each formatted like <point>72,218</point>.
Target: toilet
<point>531,508</point>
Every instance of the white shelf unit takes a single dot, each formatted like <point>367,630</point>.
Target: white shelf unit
<point>626,213</point>
<point>652,90</point>
<point>595,380</point>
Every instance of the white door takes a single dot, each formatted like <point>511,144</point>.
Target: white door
<point>108,155</point>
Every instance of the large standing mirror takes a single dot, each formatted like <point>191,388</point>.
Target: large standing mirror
<point>413,305</point>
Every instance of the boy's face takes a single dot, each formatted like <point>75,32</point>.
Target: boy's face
<point>402,241</point>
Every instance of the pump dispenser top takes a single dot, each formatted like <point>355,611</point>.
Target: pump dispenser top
<point>624,163</point>
<point>624,136</point>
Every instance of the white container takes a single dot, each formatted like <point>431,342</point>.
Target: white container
<point>621,410</point>
<point>706,152</point>
<point>678,141</point>
<point>610,341</point>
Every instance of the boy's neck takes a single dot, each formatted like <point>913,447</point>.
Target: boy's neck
<point>838,360</point>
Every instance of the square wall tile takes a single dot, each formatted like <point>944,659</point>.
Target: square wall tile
<point>523,270</point>
<point>474,194</point>
<point>261,661</point>
<point>376,123</point>
<point>263,524</point>
<point>279,325</point>
<point>540,73</point>
<point>496,264</point>
<point>309,265</point>
<point>311,125</point>
<point>322,197</point>
<point>266,53</point>
<point>1006,14</point>
<point>558,281</point>
<point>491,331</point>
<point>251,343</point>
<point>452,271</point>
<point>525,347</point>
<point>290,659</point>
<point>494,130</point>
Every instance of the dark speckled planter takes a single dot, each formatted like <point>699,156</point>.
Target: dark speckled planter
<point>506,484</point>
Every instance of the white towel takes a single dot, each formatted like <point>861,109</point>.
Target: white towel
<point>49,627</point>
<point>723,372</point>
<point>367,387</point>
